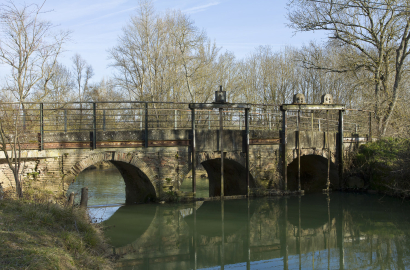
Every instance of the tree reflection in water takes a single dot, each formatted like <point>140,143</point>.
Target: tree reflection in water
<point>343,231</point>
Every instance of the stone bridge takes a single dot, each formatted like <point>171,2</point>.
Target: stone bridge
<point>155,161</point>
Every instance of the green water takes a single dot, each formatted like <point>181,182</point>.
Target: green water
<point>343,231</point>
<point>202,187</point>
<point>315,231</point>
<point>105,186</point>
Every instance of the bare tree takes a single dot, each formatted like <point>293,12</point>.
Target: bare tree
<point>82,75</point>
<point>29,48</point>
<point>375,35</point>
<point>163,57</point>
<point>58,87</point>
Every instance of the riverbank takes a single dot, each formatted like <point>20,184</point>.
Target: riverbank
<point>42,235</point>
<point>382,166</point>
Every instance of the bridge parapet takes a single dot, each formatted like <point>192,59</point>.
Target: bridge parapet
<point>57,137</point>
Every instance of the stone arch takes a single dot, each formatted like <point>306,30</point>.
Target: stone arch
<point>234,172</point>
<point>292,155</point>
<point>313,173</point>
<point>138,176</point>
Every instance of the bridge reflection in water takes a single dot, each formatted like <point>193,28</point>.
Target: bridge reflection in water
<point>309,232</point>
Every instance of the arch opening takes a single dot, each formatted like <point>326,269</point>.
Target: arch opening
<point>234,177</point>
<point>105,185</point>
<point>202,182</point>
<point>138,187</point>
<point>313,174</point>
<point>134,174</point>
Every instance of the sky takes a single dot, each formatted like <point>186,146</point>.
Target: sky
<point>238,26</point>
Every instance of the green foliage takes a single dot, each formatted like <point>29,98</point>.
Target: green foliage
<point>385,151</point>
<point>383,163</point>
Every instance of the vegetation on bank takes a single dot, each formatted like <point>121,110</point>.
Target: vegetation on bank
<point>384,165</point>
<point>36,234</point>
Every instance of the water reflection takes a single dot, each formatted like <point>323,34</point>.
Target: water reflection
<point>344,231</point>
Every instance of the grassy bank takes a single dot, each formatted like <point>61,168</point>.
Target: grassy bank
<point>42,235</point>
<point>384,165</point>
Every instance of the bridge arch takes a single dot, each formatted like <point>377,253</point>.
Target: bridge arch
<point>234,174</point>
<point>313,173</point>
<point>138,176</point>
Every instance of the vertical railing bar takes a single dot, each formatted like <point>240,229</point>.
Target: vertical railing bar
<point>146,125</point>
<point>103,120</point>
<point>65,120</point>
<point>94,126</point>
<point>221,120</point>
<point>284,152</point>
<point>41,128</point>
<point>193,153</point>
<point>341,150</point>
<point>247,148</point>
<point>175,119</point>
<point>298,138</point>
<point>328,152</point>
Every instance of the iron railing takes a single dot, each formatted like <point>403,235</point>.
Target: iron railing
<point>43,118</point>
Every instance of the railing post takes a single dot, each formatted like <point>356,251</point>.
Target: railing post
<point>370,126</point>
<point>94,126</point>
<point>284,153</point>
<point>247,148</point>
<point>298,140</point>
<point>355,128</point>
<point>328,151</point>
<point>341,149</point>
<point>41,127</point>
<point>146,125</point>
<point>221,122</point>
<point>103,120</point>
<point>297,122</point>
<point>65,120</point>
<point>270,121</point>
<point>175,119</point>
<point>318,121</point>
<point>193,152</point>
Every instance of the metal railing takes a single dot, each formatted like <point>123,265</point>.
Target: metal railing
<point>43,118</point>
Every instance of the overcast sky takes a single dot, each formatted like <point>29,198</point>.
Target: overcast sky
<point>235,25</point>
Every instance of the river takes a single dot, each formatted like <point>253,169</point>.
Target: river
<point>314,231</point>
